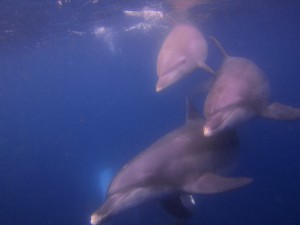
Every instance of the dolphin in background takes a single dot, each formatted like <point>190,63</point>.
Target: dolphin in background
<point>184,5</point>
<point>182,163</point>
<point>183,51</point>
<point>240,92</point>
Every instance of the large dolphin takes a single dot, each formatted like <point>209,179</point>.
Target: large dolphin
<point>240,92</point>
<point>184,50</point>
<point>181,163</point>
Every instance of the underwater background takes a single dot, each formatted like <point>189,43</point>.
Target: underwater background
<point>78,100</point>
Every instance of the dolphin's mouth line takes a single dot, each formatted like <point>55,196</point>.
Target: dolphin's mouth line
<point>95,217</point>
<point>228,107</point>
<point>207,131</point>
<point>222,118</point>
<point>115,204</point>
<point>174,67</point>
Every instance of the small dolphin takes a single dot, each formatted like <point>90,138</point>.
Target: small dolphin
<point>182,163</point>
<point>240,92</point>
<point>184,50</point>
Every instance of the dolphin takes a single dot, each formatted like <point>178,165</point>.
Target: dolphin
<point>184,5</point>
<point>239,92</point>
<point>182,163</point>
<point>184,50</point>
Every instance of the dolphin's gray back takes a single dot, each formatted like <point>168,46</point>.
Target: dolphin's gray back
<point>176,158</point>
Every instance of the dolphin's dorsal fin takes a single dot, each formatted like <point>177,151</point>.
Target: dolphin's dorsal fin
<point>191,111</point>
<point>219,46</point>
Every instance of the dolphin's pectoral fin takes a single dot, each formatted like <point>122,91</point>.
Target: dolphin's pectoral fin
<point>206,68</point>
<point>278,111</point>
<point>179,206</point>
<point>210,183</point>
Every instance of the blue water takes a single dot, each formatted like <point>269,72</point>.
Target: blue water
<point>74,104</point>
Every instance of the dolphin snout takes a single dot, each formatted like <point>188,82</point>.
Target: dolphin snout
<point>165,81</point>
<point>158,89</point>
<point>160,85</point>
<point>96,219</point>
<point>207,132</point>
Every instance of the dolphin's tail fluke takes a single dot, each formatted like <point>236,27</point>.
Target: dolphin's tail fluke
<point>219,46</point>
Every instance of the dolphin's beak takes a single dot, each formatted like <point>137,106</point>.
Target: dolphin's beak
<point>95,219</point>
<point>159,86</point>
<point>207,132</point>
<point>163,83</point>
<point>158,89</point>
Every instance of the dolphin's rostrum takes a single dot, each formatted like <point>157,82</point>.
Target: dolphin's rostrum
<point>181,163</point>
